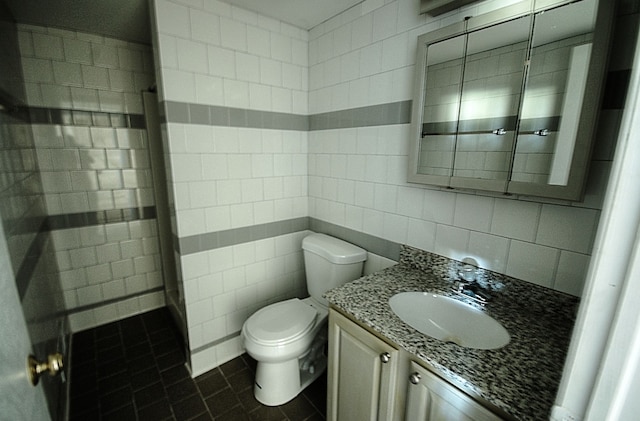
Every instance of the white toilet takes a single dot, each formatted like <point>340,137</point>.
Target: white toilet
<point>288,338</point>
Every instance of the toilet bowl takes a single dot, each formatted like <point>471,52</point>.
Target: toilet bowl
<point>288,338</point>
<point>279,337</point>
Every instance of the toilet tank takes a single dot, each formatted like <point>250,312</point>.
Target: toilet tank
<point>330,262</point>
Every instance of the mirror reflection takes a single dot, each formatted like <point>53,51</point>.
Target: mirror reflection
<point>554,91</point>
<point>502,105</point>
<point>472,96</point>
<point>493,73</point>
<point>441,106</point>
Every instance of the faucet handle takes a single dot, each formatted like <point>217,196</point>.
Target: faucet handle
<point>469,269</point>
<point>480,296</point>
<point>467,273</point>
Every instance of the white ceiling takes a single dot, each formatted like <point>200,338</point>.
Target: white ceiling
<point>302,13</point>
<point>129,19</point>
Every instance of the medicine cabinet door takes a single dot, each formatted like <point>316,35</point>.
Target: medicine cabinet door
<point>493,75</point>
<point>559,108</point>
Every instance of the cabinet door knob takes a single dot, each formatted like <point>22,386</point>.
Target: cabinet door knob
<point>414,378</point>
<point>385,357</point>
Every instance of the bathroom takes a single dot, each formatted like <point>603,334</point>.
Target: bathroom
<point>246,190</point>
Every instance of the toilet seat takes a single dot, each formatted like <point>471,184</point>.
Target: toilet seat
<point>280,323</point>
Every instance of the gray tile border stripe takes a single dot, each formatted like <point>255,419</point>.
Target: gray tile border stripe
<point>374,115</point>
<point>24,273</point>
<point>213,240</point>
<point>214,115</point>
<point>87,219</point>
<point>68,117</point>
<point>45,225</point>
<point>14,111</point>
<point>74,310</point>
<point>373,244</point>
<point>112,300</point>
<point>231,237</point>
<point>216,342</point>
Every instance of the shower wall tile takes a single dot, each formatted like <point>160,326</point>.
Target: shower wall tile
<point>68,69</point>
<point>113,265</point>
<point>92,149</point>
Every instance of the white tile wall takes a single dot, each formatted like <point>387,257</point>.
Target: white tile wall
<point>107,262</point>
<point>226,285</point>
<point>98,169</point>
<point>269,173</point>
<point>70,69</point>
<point>365,57</point>
<point>221,178</point>
<point>256,54</point>
<point>226,177</point>
<point>88,319</point>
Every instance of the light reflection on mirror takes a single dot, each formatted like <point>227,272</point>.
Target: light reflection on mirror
<point>462,113</point>
<point>503,103</point>
<point>441,106</point>
<point>493,73</point>
<point>554,90</point>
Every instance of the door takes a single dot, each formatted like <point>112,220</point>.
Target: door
<point>19,400</point>
<point>362,373</point>
<point>432,399</point>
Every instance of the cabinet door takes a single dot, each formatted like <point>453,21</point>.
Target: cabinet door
<point>432,399</point>
<point>362,373</point>
<point>561,99</point>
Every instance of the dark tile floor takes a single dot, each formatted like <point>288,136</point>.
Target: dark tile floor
<point>134,369</point>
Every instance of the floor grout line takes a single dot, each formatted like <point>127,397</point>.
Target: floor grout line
<point>129,369</point>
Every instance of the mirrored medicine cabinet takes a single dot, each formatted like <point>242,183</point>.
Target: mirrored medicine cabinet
<point>508,101</point>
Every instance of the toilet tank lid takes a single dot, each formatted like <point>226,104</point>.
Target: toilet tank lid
<point>334,250</point>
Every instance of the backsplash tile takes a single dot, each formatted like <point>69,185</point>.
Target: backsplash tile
<point>533,263</point>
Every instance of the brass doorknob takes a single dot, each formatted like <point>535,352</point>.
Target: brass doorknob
<point>53,366</point>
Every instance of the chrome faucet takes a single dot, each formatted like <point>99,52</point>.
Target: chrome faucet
<point>473,291</point>
<point>467,285</point>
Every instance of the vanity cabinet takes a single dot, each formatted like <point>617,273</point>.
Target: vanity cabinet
<point>432,399</point>
<point>362,374</point>
<point>369,379</point>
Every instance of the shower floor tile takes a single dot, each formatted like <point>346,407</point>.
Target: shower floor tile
<point>133,369</point>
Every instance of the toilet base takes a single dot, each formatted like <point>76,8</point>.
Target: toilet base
<point>277,383</point>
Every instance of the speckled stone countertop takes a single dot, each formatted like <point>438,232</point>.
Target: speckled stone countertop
<point>521,378</point>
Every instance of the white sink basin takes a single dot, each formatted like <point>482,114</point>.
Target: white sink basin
<point>449,320</point>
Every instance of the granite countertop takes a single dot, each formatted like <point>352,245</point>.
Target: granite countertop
<point>521,379</point>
